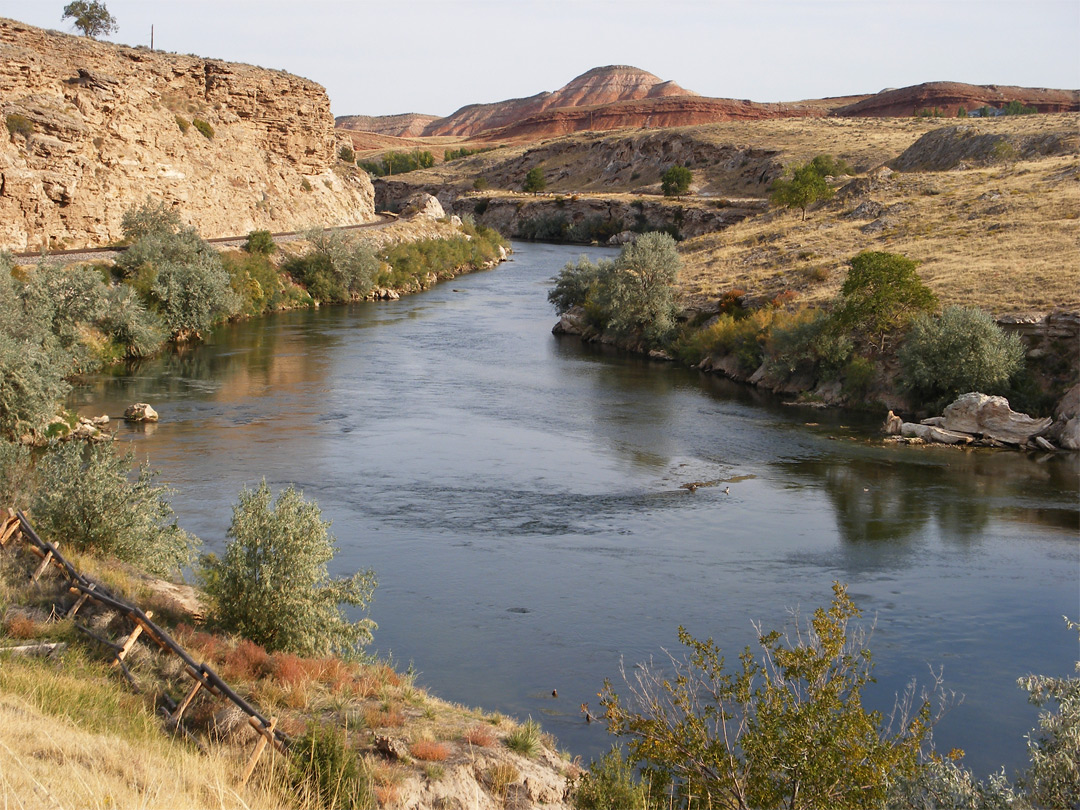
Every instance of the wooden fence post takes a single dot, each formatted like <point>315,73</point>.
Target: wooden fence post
<point>129,642</point>
<point>265,734</point>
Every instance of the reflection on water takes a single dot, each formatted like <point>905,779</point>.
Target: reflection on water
<point>520,498</point>
<point>892,494</point>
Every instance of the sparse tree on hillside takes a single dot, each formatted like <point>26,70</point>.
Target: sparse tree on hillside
<point>676,181</point>
<point>90,17</point>
<point>534,181</point>
<point>806,186</point>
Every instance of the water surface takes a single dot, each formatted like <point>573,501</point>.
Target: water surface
<point>519,497</point>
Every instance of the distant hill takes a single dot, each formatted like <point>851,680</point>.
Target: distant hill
<point>620,96</point>
<point>403,125</point>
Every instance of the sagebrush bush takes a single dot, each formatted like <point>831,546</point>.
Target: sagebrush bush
<point>176,271</point>
<point>271,583</point>
<point>19,125</point>
<point>337,268</point>
<point>959,351</point>
<point>85,497</point>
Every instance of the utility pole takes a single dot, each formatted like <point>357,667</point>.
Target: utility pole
<point>151,36</point>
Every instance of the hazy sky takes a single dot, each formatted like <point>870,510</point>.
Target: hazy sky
<point>394,56</point>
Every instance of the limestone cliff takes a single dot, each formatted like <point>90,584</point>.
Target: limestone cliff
<point>93,128</point>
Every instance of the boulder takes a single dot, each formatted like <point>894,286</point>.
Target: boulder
<point>423,204</point>
<point>991,418</point>
<point>1066,428</point>
<point>140,412</point>
<point>930,433</point>
<point>893,424</point>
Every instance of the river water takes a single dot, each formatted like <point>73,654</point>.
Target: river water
<point>519,497</point>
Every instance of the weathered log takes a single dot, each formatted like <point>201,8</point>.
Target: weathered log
<point>42,648</point>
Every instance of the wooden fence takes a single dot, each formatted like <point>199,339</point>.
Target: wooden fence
<point>15,527</point>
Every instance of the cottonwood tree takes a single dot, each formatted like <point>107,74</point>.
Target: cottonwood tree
<point>676,181</point>
<point>881,294</point>
<point>534,181</point>
<point>90,17</point>
<point>807,184</point>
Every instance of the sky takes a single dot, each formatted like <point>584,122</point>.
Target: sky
<point>392,56</point>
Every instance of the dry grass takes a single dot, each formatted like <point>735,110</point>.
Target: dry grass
<point>481,736</point>
<point>429,750</point>
<point>53,761</point>
<point>1003,239</point>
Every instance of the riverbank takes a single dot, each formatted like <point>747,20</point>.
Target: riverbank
<point>61,701</point>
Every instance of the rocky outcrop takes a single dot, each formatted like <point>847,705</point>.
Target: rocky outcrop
<point>949,97</point>
<point>1065,432</point>
<point>977,418</point>
<point>94,128</point>
<point>967,145</point>
<point>402,125</point>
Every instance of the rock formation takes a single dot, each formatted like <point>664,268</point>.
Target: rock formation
<point>599,86</point>
<point>948,97</point>
<point>403,125</point>
<point>619,96</point>
<point>976,418</point>
<point>94,128</point>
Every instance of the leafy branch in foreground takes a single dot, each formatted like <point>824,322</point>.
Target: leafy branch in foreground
<point>788,728</point>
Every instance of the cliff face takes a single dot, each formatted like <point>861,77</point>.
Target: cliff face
<point>94,128</point>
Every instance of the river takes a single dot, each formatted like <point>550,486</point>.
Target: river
<point>519,498</point>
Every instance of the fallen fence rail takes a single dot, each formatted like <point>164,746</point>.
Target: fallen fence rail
<point>18,526</point>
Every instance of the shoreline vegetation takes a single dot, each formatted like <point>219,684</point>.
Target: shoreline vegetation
<point>170,287</point>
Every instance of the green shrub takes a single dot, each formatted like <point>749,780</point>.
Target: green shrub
<point>19,125</point>
<point>346,154</point>
<point>204,127</point>
<point>256,282</point>
<point>183,123</point>
<point>323,769</point>
<point>481,184</point>
<point>271,584</point>
<point>337,268</point>
<point>137,331</point>
<point>806,340</point>
<point>525,739</point>
<point>407,264</point>
<point>179,274</point>
<point>961,350</point>
<point>786,728</point>
<point>86,498</point>
<point>305,185</point>
<point>859,375</point>
<point>261,242</point>
<point>881,294</point>
<point>16,474</point>
<point>610,785</point>
<point>676,181</point>
<point>1018,108</point>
